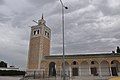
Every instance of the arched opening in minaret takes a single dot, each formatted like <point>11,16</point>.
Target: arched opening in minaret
<point>115,68</point>
<point>34,32</point>
<point>38,31</point>
<point>52,69</point>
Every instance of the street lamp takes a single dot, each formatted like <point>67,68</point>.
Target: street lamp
<point>63,7</point>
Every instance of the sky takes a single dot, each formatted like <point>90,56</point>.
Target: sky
<point>91,26</point>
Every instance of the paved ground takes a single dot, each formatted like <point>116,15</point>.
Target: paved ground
<point>115,78</point>
<point>9,78</point>
<point>73,78</point>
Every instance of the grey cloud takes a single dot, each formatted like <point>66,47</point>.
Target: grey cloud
<point>4,18</point>
<point>13,45</point>
<point>19,20</point>
<point>2,2</point>
<point>72,5</point>
<point>96,46</point>
<point>40,3</point>
<point>56,50</point>
<point>109,11</point>
<point>90,36</point>
<point>104,6</point>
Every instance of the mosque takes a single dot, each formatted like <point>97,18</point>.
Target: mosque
<point>41,62</point>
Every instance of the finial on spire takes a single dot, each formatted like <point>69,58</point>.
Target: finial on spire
<point>41,21</point>
<point>42,15</point>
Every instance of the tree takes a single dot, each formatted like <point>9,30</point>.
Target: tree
<point>113,52</point>
<point>3,64</point>
<point>118,49</point>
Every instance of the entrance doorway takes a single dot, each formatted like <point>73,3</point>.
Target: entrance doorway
<point>114,71</point>
<point>115,67</point>
<point>94,71</point>
<point>52,69</point>
<point>75,71</point>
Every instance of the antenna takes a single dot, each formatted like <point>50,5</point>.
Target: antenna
<point>35,21</point>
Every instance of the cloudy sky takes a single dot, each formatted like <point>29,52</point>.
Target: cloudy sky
<point>90,26</point>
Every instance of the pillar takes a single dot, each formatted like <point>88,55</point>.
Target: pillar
<point>100,70</point>
<point>44,72</point>
<point>110,70</point>
<point>79,71</point>
<point>89,69</point>
<point>58,71</point>
<point>70,72</point>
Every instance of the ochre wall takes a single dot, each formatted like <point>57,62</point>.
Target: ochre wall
<point>33,57</point>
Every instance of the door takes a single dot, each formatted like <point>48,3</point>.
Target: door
<point>52,69</point>
<point>94,71</point>
<point>75,71</point>
<point>114,71</point>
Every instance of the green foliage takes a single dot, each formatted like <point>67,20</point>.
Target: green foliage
<point>11,73</point>
<point>3,64</point>
<point>118,49</point>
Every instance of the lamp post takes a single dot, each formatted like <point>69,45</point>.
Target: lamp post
<point>63,7</point>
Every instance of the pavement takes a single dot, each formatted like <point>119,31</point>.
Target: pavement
<point>115,78</point>
<point>10,77</point>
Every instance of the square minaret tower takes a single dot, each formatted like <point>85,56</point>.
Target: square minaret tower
<point>39,45</point>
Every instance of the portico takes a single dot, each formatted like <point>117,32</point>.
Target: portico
<point>87,65</point>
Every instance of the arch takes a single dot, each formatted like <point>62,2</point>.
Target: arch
<point>94,68</point>
<point>105,70</point>
<point>84,68</point>
<point>74,63</point>
<point>115,68</point>
<point>75,68</point>
<point>52,69</point>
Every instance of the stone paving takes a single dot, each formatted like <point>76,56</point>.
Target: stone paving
<point>73,78</point>
<point>10,78</point>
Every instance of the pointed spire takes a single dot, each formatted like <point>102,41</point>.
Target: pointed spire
<point>42,16</point>
<point>41,21</point>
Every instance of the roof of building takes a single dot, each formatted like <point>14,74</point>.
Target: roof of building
<point>83,55</point>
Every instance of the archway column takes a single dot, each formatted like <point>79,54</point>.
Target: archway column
<point>58,71</point>
<point>45,72</point>
<point>100,70</point>
<point>89,69</point>
<point>70,71</point>
<point>110,69</point>
<point>79,71</point>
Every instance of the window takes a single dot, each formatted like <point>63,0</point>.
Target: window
<point>48,35</point>
<point>74,63</point>
<point>34,32</point>
<point>45,33</point>
<point>38,31</point>
<point>92,62</point>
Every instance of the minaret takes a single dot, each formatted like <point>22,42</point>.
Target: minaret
<point>39,45</point>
